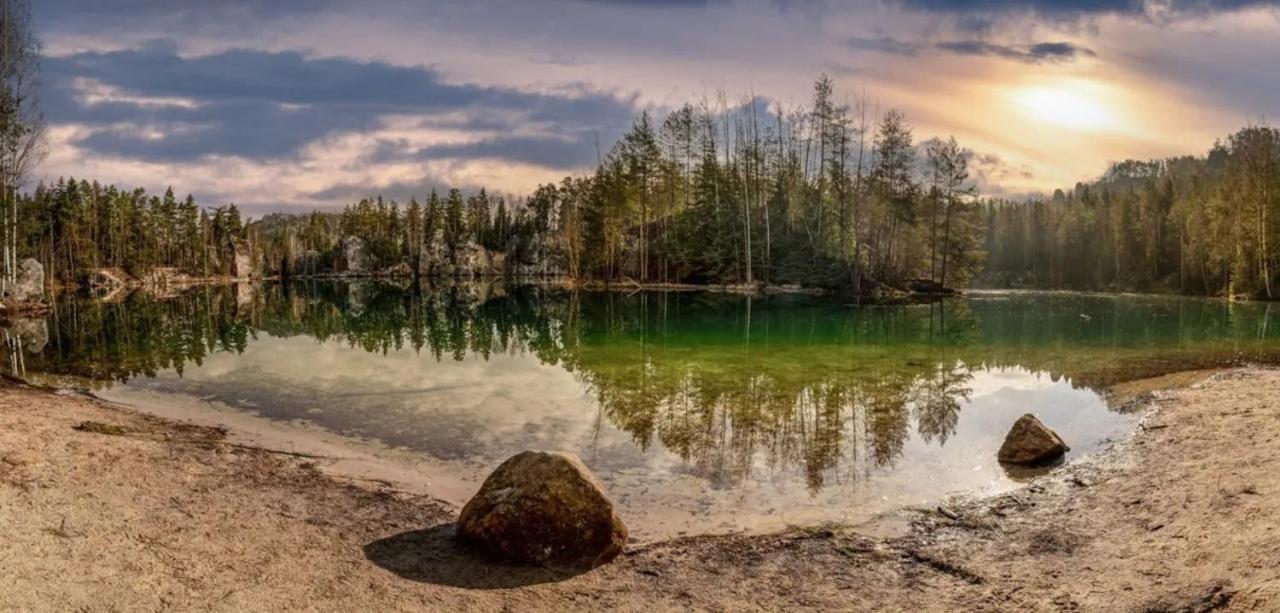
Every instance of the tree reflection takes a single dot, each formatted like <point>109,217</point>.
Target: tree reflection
<point>936,400</point>
<point>731,385</point>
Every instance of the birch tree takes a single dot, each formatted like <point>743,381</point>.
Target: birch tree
<point>21,122</point>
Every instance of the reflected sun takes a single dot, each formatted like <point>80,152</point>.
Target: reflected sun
<point>1076,106</point>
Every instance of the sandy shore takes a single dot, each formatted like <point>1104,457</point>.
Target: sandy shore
<point>106,509</point>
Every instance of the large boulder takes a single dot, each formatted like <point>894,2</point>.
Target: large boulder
<point>433,256</point>
<point>241,260</point>
<point>472,260</point>
<point>544,508</point>
<point>355,258</point>
<point>28,288</point>
<point>1030,442</point>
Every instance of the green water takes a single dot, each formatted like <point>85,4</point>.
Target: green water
<point>701,412</point>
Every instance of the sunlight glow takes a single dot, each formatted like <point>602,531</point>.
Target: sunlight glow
<point>1074,106</point>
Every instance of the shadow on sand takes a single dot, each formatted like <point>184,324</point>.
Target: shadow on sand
<point>433,555</point>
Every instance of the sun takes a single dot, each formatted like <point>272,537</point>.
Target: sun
<point>1072,105</point>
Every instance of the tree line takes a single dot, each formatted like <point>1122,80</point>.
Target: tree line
<point>831,195</point>
<point>825,195</point>
<point>394,234</point>
<point>74,226</point>
<point>1194,225</point>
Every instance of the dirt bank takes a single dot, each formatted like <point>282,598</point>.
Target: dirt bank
<point>131,512</point>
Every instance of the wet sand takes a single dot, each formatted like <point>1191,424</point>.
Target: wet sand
<point>663,496</point>
<point>136,512</point>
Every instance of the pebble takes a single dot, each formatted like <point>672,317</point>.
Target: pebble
<point>17,459</point>
<point>948,512</point>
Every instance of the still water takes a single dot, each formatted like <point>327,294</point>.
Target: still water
<point>700,412</point>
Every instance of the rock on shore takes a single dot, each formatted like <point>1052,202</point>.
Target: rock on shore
<point>1030,442</point>
<point>544,508</point>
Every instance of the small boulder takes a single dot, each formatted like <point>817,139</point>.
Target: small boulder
<point>1030,442</point>
<point>544,508</point>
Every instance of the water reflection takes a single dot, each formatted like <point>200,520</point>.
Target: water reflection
<point>786,402</point>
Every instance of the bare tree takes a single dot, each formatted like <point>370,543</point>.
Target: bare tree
<point>21,122</point>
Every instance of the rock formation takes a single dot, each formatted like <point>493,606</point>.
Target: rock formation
<point>354,256</point>
<point>28,288</point>
<point>242,260</point>
<point>468,261</point>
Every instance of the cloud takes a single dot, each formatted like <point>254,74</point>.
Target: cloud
<point>1077,8</point>
<point>1015,6</point>
<point>399,191</point>
<point>652,3</point>
<point>1039,52</point>
<point>1032,54</point>
<point>189,10</point>
<point>276,101</point>
<point>886,44</point>
<point>555,153</point>
<point>153,104</point>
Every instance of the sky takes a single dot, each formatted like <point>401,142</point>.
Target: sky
<point>291,105</point>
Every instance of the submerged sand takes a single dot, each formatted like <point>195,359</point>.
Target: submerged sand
<point>103,508</point>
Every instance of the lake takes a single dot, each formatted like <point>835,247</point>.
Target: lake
<point>701,412</point>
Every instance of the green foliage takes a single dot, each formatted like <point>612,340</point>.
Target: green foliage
<point>454,224</point>
<point>748,194</point>
<point>1197,225</point>
<point>72,226</point>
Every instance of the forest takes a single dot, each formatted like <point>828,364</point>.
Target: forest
<point>1194,225</point>
<point>829,195</point>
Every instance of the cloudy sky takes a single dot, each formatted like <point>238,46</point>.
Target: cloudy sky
<point>297,104</point>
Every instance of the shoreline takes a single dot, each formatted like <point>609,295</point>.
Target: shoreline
<point>595,285</point>
<point>182,282</point>
<point>183,497</point>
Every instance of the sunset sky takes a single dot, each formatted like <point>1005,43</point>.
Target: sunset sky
<point>292,104</point>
